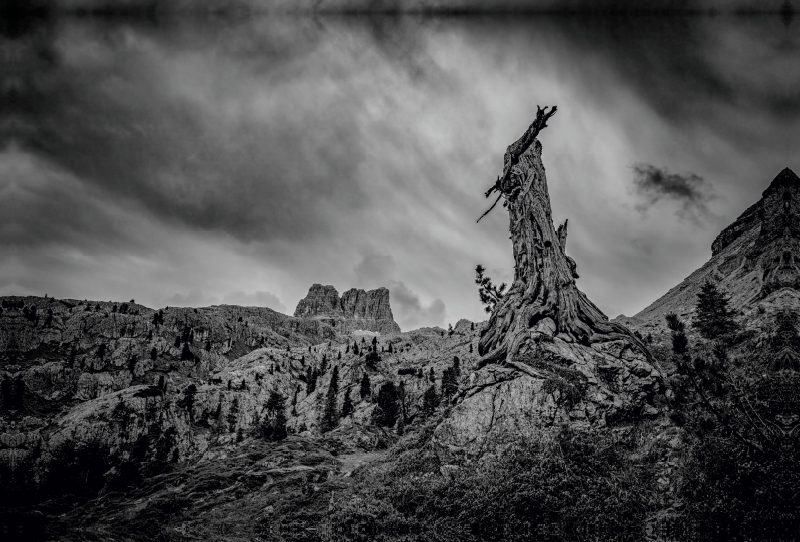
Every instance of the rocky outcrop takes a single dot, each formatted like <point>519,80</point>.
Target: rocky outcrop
<point>355,310</point>
<point>754,260</point>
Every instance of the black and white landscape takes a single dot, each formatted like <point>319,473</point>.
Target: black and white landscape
<point>345,270</point>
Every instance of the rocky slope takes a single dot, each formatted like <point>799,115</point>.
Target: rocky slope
<point>355,310</point>
<point>754,260</point>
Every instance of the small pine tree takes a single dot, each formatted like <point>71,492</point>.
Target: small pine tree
<point>449,385</point>
<point>73,352</point>
<point>188,399</point>
<point>400,426</point>
<point>472,326</point>
<point>390,348</point>
<point>432,376</point>
<point>450,330</point>
<point>680,343</point>
<point>388,404</point>
<point>339,356</point>
<point>489,294</point>
<point>713,317</point>
<point>365,387</point>
<point>186,353</point>
<point>233,415</point>
<point>330,416</point>
<point>311,382</point>
<point>208,346</point>
<point>347,350</point>
<point>101,351</point>
<point>347,405</point>
<point>273,427</point>
<point>470,348</point>
<point>323,366</point>
<point>429,401</point>
<point>243,385</point>
<point>355,349</point>
<point>177,343</point>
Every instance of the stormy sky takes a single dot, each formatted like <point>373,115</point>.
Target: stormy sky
<point>181,160</point>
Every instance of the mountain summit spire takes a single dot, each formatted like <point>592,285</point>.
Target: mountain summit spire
<point>785,179</point>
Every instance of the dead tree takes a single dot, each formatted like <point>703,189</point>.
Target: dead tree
<point>543,296</point>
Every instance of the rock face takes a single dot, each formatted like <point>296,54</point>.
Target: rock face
<point>355,310</point>
<point>754,260</point>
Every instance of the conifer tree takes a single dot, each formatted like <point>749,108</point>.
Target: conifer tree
<point>390,348</point>
<point>72,353</point>
<point>347,405</point>
<point>208,346</point>
<point>323,366</point>
<point>311,380</point>
<point>680,343</point>
<point>429,401</point>
<point>388,405</point>
<point>489,294</point>
<point>232,414</point>
<point>448,383</point>
<point>365,388</point>
<point>330,416</point>
<point>339,355</point>
<point>273,427</point>
<point>713,317</point>
<point>186,353</point>
<point>355,349</point>
<point>432,375</point>
<point>177,343</point>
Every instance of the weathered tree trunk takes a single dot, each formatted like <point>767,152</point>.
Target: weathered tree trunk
<point>543,297</point>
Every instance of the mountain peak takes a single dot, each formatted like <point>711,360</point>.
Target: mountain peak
<point>785,179</point>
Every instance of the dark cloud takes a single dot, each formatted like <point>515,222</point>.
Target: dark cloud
<point>690,191</point>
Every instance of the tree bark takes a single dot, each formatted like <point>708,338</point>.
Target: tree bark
<point>544,276</point>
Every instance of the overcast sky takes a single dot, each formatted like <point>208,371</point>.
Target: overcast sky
<point>196,161</point>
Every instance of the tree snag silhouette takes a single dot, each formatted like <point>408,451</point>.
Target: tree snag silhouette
<point>543,297</point>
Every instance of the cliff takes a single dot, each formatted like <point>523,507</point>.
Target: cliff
<point>754,260</point>
<point>355,310</point>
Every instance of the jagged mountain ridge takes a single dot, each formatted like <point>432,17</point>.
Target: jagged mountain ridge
<point>355,310</point>
<point>754,260</point>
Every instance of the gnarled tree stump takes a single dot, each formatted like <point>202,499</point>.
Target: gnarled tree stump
<point>543,297</point>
